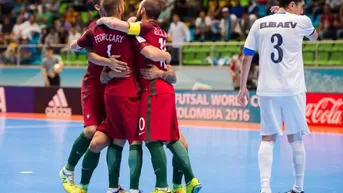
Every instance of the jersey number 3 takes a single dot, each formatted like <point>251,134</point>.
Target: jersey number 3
<point>277,40</point>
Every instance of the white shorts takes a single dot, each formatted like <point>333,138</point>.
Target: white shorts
<point>290,110</point>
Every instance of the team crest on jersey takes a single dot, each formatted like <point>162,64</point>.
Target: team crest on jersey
<point>140,39</point>
<point>88,116</point>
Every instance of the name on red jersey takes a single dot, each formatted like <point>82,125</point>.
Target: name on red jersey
<point>160,32</point>
<point>108,37</point>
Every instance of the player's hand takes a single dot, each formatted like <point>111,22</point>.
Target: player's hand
<point>117,74</point>
<point>274,9</point>
<point>105,77</point>
<point>151,73</point>
<point>46,83</point>
<point>132,19</point>
<point>117,65</point>
<point>243,96</point>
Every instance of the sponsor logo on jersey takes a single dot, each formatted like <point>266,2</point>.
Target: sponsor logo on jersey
<point>58,106</point>
<point>3,107</point>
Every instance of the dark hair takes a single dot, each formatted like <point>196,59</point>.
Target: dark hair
<point>96,2</point>
<point>285,3</point>
<point>110,6</point>
<point>49,48</point>
<point>153,8</point>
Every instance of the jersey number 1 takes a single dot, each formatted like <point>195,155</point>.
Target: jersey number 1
<point>277,38</point>
<point>162,43</point>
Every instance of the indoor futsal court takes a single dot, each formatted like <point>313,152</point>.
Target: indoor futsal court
<point>224,159</point>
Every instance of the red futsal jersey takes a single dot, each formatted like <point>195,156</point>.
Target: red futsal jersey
<point>152,34</point>
<point>93,70</point>
<point>107,42</point>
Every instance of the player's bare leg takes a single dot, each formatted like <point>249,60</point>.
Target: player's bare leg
<point>79,148</point>
<point>159,163</point>
<point>265,161</point>
<point>299,162</point>
<point>91,160</point>
<point>135,164</point>
<point>181,155</point>
<point>177,170</point>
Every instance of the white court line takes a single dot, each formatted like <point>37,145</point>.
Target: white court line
<point>43,119</point>
<point>183,126</point>
<point>42,126</point>
<point>26,172</point>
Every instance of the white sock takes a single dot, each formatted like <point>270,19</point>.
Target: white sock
<point>265,162</point>
<point>133,191</point>
<point>110,190</point>
<point>299,162</point>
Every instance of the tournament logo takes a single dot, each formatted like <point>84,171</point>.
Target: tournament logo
<point>2,100</point>
<point>58,106</point>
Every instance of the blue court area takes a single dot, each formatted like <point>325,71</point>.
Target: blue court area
<point>225,160</point>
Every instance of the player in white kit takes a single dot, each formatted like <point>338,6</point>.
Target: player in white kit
<point>281,85</point>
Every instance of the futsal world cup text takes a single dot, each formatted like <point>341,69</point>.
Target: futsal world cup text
<point>215,107</point>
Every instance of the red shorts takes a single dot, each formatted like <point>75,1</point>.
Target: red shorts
<point>158,118</point>
<point>122,118</point>
<point>92,102</point>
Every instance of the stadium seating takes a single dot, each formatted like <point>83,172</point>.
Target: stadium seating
<point>314,54</point>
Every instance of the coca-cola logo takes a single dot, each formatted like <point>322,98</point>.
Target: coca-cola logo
<point>325,111</point>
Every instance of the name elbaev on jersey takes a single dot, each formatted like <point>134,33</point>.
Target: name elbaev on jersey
<point>272,24</point>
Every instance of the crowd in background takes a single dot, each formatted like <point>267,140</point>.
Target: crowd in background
<point>53,22</point>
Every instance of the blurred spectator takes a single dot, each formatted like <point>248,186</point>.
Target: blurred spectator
<point>179,34</point>
<point>203,27</point>
<point>181,9</point>
<point>71,13</point>
<point>62,35</point>
<point>245,24</point>
<point>24,14</point>
<point>28,28</point>
<point>43,35</point>
<point>238,9</point>
<point>214,11</point>
<point>334,5</point>
<point>16,8</point>
<point>227,25</point>
<point>52,37</point>
<point>52,66</point>
<point>165,16</point>
<point>327,27</point>
<point>44,18</point>
<point>253,8</point>
<point>26,52</point>
<point>7,26</point>
<point>17,28</point>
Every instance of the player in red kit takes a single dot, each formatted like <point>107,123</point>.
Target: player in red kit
<point>92,97</point>
<point>121,96</point>
<point>158,120</point>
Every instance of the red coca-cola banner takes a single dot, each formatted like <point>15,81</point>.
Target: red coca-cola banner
<point>324,109</point>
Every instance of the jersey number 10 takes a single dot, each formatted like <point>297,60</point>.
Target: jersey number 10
<point>162,43</point>
<point>277,40</point>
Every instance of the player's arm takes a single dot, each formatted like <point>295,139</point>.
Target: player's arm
<point>308,29</point>
<point>155,54</point>
<point>153,72</point>
<point>249,50</point>
<point>111,62</point>
<point>85,41</point>
<point>45,75</point>
<point>129,27</point>
<point>61,64</point>
<point>115,23</point>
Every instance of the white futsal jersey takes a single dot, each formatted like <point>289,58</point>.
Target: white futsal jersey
<point>278,39</point>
